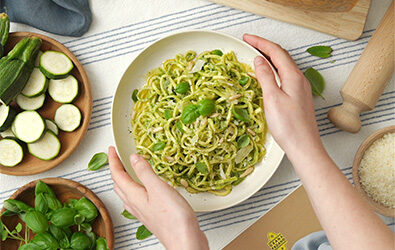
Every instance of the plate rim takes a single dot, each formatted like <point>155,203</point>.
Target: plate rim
<point>277,78</point>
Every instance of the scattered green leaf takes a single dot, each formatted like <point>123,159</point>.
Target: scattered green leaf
<point>179,127</point>
<point>217,52</point>
<point>241,114</point>
<point>244,80</point>
<point>189,114</point>
<point>320,51</point>
<point>158,146</point>
<point>142,233</point>
<point>18,228</point>
<point>128,215</point>
<point>316,81</point>
<point>205,107</point>
<point>167,114</point>
<point>98,161</point>
<point>182,88</point>
<point>202,167</point>
<point>101,244</point>
<point>134,95</point>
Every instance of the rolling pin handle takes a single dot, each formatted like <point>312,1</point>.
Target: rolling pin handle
<point>346,117</point>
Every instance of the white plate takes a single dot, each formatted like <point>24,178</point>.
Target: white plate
<point>133,78</point>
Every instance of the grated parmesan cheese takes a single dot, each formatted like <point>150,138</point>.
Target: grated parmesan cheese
<point>377,170</point>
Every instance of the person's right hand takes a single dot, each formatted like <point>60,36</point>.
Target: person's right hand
<point>288,109</point>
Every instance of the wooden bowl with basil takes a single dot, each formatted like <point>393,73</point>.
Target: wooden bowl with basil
<point>67,207</point>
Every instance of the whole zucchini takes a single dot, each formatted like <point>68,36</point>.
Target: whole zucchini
<point>4,30</point>
<point>16,67</point>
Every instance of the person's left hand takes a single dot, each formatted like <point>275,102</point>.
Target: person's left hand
<point>156,204</point>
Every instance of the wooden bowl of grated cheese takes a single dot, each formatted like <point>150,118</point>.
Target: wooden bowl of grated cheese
<point>374,170</point>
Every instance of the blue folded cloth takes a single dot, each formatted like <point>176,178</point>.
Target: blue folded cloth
<point>313,241</point>
<point>62,17</point>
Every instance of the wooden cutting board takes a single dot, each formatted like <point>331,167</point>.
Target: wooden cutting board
<point>348,25</point>
<point>279,229</point>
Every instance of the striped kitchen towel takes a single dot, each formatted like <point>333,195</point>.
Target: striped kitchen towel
<point>121,29</point>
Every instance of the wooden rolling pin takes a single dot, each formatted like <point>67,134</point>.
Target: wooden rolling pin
<point>367,80</point>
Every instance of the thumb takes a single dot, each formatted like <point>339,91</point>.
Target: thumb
<point>145,173</point>
<point>265,76</point>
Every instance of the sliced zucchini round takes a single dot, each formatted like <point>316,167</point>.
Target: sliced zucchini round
<point>63,90</point>
<point>47,148</point>
<point>68,117</point>
<point>51,125</point>
<point>11,152</point>
<point>55,64</point>
<point>7,116</point>
<point>30,103</point>
<point>7,133</point>
<point>36,85</point>
<point>28,126</point>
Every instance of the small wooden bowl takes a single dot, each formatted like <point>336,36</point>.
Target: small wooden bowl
<point>64,190</point>
<point>378,207</point>
<point>69,141</point>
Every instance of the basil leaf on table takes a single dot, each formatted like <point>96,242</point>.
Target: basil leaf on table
<point>86,208</point>
<point>36,221</point>
<point>158,146</point>
<point>101,244</point>
<point>243,141</point>
<point>320,51</point>
<point>98,161</point>
<point>182,88</point>
<point>316,81</point>
<point>202,167</point>
<point>241,114</point>
<point>205,107</point>
<point>189,114</point>
<point>80,241</point>
<point>134,95</point>
<point>142,233</point>
<point>128,215</point>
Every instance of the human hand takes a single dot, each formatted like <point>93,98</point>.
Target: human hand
<point>288,109</point>
<point>156,204</point>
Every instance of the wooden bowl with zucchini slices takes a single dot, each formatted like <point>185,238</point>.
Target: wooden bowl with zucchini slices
<point>42,125</point>
<point>55,199</point>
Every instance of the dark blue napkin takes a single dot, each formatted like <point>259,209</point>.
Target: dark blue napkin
<point>62,17</point>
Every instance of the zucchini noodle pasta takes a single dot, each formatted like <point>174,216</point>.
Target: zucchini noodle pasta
<point>199,121</point>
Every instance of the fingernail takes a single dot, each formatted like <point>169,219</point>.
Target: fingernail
<point>134,159</point>
<point>259,60</point>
